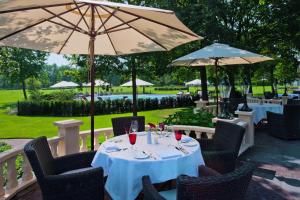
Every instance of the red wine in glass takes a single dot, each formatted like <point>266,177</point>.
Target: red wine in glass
<point>178,136</point>
<point>161,127</point>
<point>132,139</point>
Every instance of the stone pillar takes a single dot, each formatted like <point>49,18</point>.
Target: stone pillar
<point>69,129</point>
<point>284,100</point>
<point>249,134</point>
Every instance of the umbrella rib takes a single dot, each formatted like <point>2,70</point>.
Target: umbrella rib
<point>73,31</point>
<point>81,30</point>
<point>105,31</point>
<point>112,31</point>
<point>154,21</point>
<point>34,7</point>
<point>81,14</point>
<point>162,46</point>
<point>35,24</point>
<point>119,25</point>
<point>246,60</point>
<point>68,27</point>
<point>103,23</point>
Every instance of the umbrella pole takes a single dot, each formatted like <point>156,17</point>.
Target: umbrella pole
<point>92,67</point>
<point>134,92</point>
<point>216,85</point>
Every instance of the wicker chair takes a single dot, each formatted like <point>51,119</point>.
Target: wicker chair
<point>293,102</point>
<point>69,177</point>
<point>286,125</point>
<point>121,123</point>
<point>228,186</point>
<point>269,95</point>
<point>221,152</point>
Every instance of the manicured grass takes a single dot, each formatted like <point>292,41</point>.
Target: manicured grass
<point>13,126</point>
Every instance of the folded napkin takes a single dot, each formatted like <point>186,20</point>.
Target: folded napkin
<point>168,153</point>
<point>186,139</point>
<point>111,147</point>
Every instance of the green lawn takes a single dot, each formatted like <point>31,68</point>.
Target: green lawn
<point>13,126</point>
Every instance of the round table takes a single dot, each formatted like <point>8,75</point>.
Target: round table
<point>262,109</point>
<point>125,172</point>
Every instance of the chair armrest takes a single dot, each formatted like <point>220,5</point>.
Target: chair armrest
<point>204,171</point>
<point>206,144</point>
<point>221,161</point>
<point>274,117</point>
<point>149,190</point>
<point>74,161</point>
<point>77,185</point>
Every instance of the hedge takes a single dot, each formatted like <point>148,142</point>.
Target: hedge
<point>171,88</point>
<point>82,108</point>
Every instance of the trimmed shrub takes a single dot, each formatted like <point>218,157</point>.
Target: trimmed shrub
<point>82,108</point>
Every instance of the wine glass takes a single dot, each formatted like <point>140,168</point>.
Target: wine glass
<point>134,126</point>
<point>161,128</point>
<point>132,139</point>
<point>178,136</point>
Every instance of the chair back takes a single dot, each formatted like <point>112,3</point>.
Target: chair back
<point>228,136</point>
<point>230,186</point>
<point>121,123</point>
<point>40,157</point>
<point>291,115</point>
<point>293,102</point>
<point>269,95</point>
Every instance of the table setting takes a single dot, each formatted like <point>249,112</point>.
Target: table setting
<point>260,110</point>
<point>161,154</point>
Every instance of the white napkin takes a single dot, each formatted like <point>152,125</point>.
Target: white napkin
<point>186,139</point>
<point>168,153</point>
<point>111,147</point>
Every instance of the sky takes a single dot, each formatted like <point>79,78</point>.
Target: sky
<point>57,59</point>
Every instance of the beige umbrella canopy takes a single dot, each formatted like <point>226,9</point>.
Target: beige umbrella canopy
<point>64,26</point>
<point>219,55</point>
<point>90,27</point>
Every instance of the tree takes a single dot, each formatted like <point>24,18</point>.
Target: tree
<point>20,64</point>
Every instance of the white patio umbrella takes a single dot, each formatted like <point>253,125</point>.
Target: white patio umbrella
<point>139,82</point>
<point>99,83</point>
<point>90,27</point>
<point>64,84</point>
<point>218,55</point>
<point>196,82</point>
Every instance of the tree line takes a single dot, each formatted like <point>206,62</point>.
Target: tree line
<point>268,27</point>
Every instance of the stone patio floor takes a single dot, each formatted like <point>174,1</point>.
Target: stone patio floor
<point>277,176</point>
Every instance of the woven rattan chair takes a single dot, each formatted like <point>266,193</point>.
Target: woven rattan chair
<point>69,177</point>
<point>221,152</point>
<point>121,123</point>
<point>286,125</point>
<point>230,186</point>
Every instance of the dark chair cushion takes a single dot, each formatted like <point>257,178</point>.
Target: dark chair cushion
<point>121,123</point>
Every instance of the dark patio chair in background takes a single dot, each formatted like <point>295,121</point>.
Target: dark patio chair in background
<point>68,177</point>
<point>293,102</point>
<point>286,125</point>
<point>221,152</point>
<point>121,123</point>
<point>209,185</point>
<point>269,95</point>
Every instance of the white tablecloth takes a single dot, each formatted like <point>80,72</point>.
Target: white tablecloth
<point>125,173</point>
<point>261,110</point>
<point>290,96</point>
